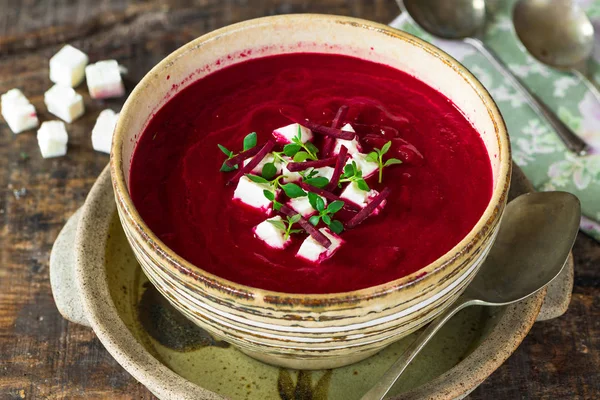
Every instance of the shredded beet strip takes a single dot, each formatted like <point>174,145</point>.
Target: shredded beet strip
<point>301,166</point>
<point>339,167</point>
<point>235,160</point>
<point>328,141</point>
<point>243,170</point>
<point>369,208</point>
<point>318,128</point>
<point>328,195</point>
<point>308,227</point>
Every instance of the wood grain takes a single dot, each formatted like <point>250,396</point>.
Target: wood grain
<point>44,357</point>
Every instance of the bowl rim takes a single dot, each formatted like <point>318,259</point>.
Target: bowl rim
<point>475,237</point>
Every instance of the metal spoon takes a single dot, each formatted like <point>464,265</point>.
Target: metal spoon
<point>533,243</point>
<point>465,20</point>
<point>557,33</point>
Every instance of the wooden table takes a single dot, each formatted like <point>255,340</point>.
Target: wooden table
<point>44,357</point>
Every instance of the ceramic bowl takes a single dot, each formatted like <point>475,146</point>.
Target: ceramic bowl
<point>297,330</point>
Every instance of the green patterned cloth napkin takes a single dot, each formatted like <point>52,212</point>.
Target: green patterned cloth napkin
<point>535,147</point>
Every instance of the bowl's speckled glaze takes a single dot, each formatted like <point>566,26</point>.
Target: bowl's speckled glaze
<point>310,331</point>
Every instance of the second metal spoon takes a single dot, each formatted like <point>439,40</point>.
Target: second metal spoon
<point>465,20</point>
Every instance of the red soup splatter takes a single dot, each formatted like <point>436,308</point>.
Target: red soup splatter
<point>437,194</point>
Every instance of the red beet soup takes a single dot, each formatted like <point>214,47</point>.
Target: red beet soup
<point>434,196</point>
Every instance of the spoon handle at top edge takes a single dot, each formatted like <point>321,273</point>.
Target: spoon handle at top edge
<point>573,142</point>
<point>388,379</point>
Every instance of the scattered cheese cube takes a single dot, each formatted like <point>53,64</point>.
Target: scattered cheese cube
<point>64,102</point>
<point>326,172</point>
<point>285,134</point>
<point>368,168</point>
<point>311,250</point>
<point>104,80</point>
<point>302,206</point>
<point>18,112</point>
<point>251,193</point>
<point>289,176</point>
<point>353,145</point>
<point>269,158</point>
<point>272,235</point>
<point>67,67</point>
<point>360,197</point>
<point>103,131</point>
<point>52,138</point>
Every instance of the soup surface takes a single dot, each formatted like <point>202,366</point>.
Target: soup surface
<point>437,194</point>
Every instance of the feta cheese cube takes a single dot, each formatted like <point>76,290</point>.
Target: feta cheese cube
<point>312,251</point>
<point>287,175</point>
<point>360,197</point>
<point>67,67</point>
<point>18,113</point>
<point>269,158</point>
<point>251,193</point>
<point>104,80</point>
<point>52,138</point>
<point>103,131</point>
<point>64,102</point>
<point>285,134</point>
<point>271,234</point>
<point>326,172</point>
<point>368,168</point>
<point>302,206</point>
<point>353,145</point>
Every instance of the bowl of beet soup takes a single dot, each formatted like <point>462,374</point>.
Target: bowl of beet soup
<point>310,188</point>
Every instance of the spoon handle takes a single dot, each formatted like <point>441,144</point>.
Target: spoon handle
<point>573,142</point>
<point>388,379</point>
<point>585,76</point>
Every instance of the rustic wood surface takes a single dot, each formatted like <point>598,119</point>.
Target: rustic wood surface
<point>44,357</point>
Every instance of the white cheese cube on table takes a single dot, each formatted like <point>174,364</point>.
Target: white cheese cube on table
<point>269,158</point>
<point>272,235</point>
<point>104,80</point>
<point>64,102</point>
<point>361,197</point>
<point>18,112</point>
<point>285,134</point>
<point>302,206</point>
<point>52,138</point>
<point>103,131</point>
<point>67,67</point>
<point>251,193</point>
<point>353,145</point>
<point>368,168</point>
<point>312,251</point>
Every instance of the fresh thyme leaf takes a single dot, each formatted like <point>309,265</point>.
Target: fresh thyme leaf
<point>353,174</point>
<point>314,220</point>
<point>336,226</point>
<point>326,218</point>
<point>311,148</point>
<point>335,206</point>
<point>256,178</point>
<point>301,156</point>
<point>372,157</point>
<point>320,203</point>
<point>269,171</point>
<point>312,199</point>
<point>392,161</point>
<point>277,205</point>
<point>385,148</point>
<point>250,141</point>
<point>291,149</point>
<point>292,190</point>
<point>295,218</point>
<point>269,195</point>
<point>227,168</point>
<point>278,224</point>
<point>362,185</point>
<point>319,181</point>
<point>296,230</point>
<point>225,150</point>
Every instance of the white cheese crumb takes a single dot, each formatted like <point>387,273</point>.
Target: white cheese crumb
<point>104,80</point>
<point>302,206</point>
<point>52,138</point>
<point>269,158</point>
<point>326,172</point>
<point>67,67</point>
<point>361,197</point>
<point>353,145</point>
<point>18,112</point>
<point>271,234</point>
<point>251,193</point>
<point>311,250</point>
<point>285,134</point>
<point>368,168</point>
<point>103,131</point>
<point>64,102</point>
<point>287,175</point>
